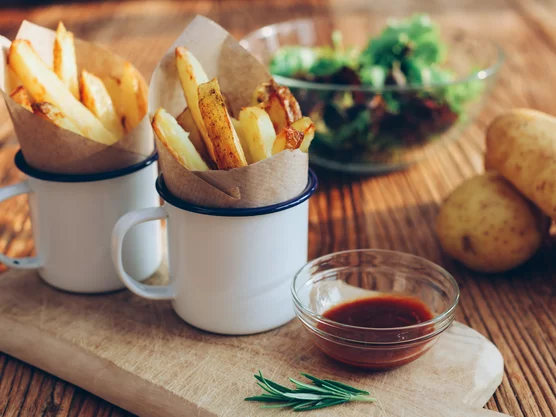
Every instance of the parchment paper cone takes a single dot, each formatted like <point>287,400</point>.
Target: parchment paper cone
<point>52,149</point>
<point>271,181</point>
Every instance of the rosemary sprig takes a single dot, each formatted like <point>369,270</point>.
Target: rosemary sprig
<point>322,393</point>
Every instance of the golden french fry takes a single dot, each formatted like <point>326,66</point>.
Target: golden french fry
<point>227,149</point>
<point>185,120</point>
<point>134,106</point>
<point>192,74</point>
<point>256,134</point>
<point>306,126</point>
<point>44,85</point>
<point>114,87</point>
<point>65,65</point>
<point>50,112</point>
<point>95,96</point>
<point>288,138</point>
<point>297,136</point>
<point>20,96</point>
<point>177,141</point>
<point>279,103</point>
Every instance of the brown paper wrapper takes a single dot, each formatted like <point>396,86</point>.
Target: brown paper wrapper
<point>271,181</point>
<point>52,149</point>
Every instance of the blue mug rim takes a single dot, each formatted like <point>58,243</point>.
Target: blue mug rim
<point>27,169</point>
<point>168,197</point>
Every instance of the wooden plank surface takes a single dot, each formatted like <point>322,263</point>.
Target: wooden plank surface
<point>139,354</point>
<point>517,310</point>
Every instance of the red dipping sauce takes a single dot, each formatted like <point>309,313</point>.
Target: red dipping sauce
<point>382,312</point>
<point>377,334</point>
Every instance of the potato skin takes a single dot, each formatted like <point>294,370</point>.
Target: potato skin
<point>521,146</point>
<point>488,226</point>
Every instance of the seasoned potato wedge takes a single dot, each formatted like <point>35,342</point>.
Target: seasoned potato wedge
<point>256,134</point>
<point>134,105</point>
<point>20,96</point>
<point>185,120</point>
<point>45,86</point>
<point>50,112</point>
<point>177,141</point>
<point>65,65</point>
<point>226,146</point>
<point>191,75</point>
<point>279,103</point>
<point>95,96</point>
<point>297,136</point>
<point>307,127</point>
<point>288,138</point>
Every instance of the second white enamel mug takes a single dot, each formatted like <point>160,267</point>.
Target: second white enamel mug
<point>230,269</point>
<point>72,217</point>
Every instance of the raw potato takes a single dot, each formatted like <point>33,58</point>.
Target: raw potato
<point>521,145</point>
<point>488,226</point>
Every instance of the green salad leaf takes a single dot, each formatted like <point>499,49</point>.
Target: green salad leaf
<point>408,52</point>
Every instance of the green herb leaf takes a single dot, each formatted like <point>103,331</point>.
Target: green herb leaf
<point>305,397</point>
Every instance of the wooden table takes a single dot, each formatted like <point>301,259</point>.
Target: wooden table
<point>517,310</point>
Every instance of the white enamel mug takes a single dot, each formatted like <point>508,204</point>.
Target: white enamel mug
<point>230,269</point>
<point>72,217</point>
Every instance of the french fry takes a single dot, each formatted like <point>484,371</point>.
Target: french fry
<point>191,75</point>
<point>45,86</point>
<point>237,127</point>
<point>279,103</point>
<point>114,87</point>
<point>185,120</point>
<point>306,126</point>
<point>50,112</point>
<point>288,138</point>
<point>297,136</point>
<point>257,134</point>
<point>65,65</point>
<point>96,98</point>
<point>19,95</point>
<point>177,141</point>
<point>227,149</point>
<point>133,103</point>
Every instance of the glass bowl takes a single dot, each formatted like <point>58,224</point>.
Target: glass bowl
<point>364,136</point>
<point>343,277</point>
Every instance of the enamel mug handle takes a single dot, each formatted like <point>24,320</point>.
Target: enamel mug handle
<point>124,225</point>
<point>21,263</point>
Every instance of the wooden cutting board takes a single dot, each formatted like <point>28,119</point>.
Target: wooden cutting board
<point>139,355</point>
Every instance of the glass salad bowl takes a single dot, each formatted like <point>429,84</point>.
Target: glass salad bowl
<point>379,107</point>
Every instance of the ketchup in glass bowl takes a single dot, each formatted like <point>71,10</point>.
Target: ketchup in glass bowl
<point>374,309</point>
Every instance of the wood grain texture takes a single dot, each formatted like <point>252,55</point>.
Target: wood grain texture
<point>517,310</point>
<point>140,355</point>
